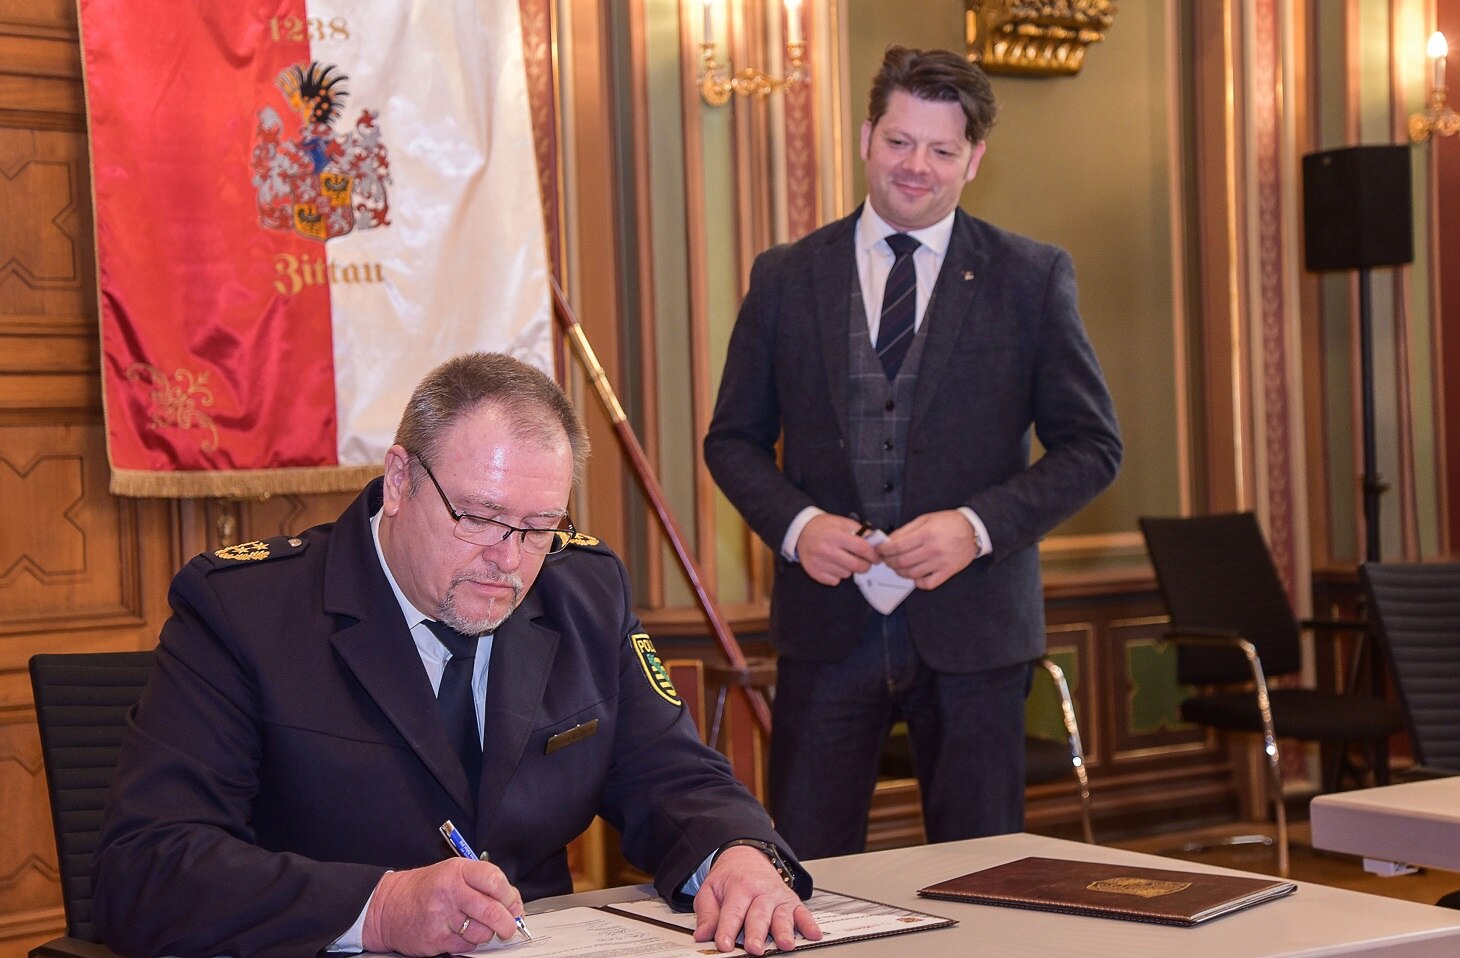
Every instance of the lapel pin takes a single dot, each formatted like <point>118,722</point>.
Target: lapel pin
<point>967,275</point>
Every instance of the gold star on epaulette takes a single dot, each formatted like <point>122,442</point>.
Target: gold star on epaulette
<point>244,551</point>
<point>258,550</point>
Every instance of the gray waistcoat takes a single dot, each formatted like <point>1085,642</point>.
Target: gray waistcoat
<point>879,415</point>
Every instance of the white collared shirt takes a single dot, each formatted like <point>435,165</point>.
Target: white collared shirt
<point>433,653</point>
<point>875,259</point>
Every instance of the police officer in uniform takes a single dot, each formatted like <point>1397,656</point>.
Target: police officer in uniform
<point>449,649</point>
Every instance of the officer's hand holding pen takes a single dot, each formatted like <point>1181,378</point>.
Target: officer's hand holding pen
<point>460,847</point>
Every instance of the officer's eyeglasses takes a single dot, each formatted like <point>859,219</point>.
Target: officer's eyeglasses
<point>479,530</point>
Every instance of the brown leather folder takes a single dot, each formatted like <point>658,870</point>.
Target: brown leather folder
<point>1105,890</point>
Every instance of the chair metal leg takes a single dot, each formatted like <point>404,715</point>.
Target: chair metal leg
<point>1077,751</point>
<point>758,673</point>
<point>1274,758</point>
<point>1269,743</point>
<point>712,737</point>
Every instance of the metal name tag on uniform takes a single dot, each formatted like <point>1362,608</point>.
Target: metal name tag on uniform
<point>575,734</point>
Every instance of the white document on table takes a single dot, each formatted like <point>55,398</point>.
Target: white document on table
<point>591,933</point>
<point>649,928</point>
<point>842,919</point>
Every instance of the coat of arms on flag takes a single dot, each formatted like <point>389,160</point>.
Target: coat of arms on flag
<point>310,178</point>
<point>299,212</point>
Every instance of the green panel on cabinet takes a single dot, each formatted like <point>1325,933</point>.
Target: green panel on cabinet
<point>1155,695</point>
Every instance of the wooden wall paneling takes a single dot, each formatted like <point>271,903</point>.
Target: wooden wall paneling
<point>209,524</point>
<point>1445,254</point>
<point>1225,410</point>
<point>593,262</point>
<point>71,556</point>
<point>590,267</point>
<point>30,903</point>
<point>649,578</point>
<point>706,529</point>
<point>80,570</point>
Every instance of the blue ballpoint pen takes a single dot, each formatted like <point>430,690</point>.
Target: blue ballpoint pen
<point>459,845</point>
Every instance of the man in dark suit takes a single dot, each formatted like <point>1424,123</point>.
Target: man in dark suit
<point>286,771</point>
<point>902,356</point>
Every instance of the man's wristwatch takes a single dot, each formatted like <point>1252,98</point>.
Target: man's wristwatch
<point>770,851</point>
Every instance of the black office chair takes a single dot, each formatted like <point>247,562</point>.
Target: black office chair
<point>81,703</point>
<point>1045,760</point>
<point>1415,612</point>
<point>1235,630</point>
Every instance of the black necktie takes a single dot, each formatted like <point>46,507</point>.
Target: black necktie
<point>458,710</point>
<point>899,304</point>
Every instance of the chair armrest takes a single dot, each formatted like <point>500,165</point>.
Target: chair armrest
<point>1259,689</point>
<point>1198,635</point>
<point>1225,639</point>
<point>71,948</point>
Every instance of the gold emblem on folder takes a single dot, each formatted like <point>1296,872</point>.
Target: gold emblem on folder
<point>1140,887</point>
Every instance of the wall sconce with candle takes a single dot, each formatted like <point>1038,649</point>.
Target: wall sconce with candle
<point>716,81</point>
<point>1436,118</point>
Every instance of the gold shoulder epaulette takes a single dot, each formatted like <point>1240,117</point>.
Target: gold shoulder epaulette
<point>582,539</point>
<point>257,551</point>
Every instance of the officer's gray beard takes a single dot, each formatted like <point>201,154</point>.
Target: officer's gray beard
<point>448,612</point>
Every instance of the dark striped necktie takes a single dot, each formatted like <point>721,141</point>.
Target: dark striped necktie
<point>458,709</point>
<point>899,305</point>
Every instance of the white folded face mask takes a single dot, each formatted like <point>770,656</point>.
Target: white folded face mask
<point>883,589</point>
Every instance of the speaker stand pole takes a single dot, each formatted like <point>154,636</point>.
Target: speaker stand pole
<point>1373,487</point>
<point>1372,483</point>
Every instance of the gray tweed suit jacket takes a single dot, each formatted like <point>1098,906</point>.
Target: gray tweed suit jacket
<point>1006,358</point>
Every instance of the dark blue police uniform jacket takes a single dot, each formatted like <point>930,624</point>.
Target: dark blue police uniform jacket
<point>288,750</point>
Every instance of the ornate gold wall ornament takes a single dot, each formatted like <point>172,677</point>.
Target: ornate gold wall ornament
<point>1025,37</point>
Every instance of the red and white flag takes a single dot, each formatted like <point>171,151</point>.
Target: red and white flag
<point>301,207</point>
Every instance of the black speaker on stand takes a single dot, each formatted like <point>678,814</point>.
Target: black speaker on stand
<point>1358,213</point>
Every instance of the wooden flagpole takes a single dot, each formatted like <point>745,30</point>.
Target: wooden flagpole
<point>573,331</point>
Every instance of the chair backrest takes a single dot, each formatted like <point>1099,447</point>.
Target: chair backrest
<point>1415,611</point>
<point>81,702</point>
<point>1215,572</point>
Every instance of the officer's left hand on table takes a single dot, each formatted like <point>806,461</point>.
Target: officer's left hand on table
<point>744,891</point>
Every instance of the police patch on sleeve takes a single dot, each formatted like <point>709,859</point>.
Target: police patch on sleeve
<point>654,669</point>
